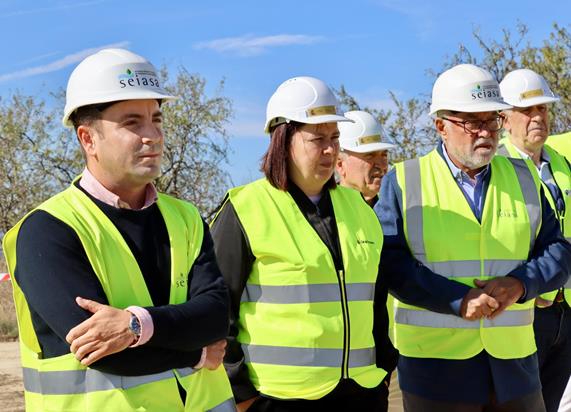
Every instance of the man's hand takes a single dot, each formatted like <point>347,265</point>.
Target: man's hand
<point>215,354</point>
<point>506,290</point>
<point>477,304</point>
<point>543,303</point>
<point>104,333</point>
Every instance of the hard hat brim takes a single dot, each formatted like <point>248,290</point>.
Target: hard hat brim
<point>117,97</point>
<point>534,101</point>
<point>472,108</point>
<point>329,118</point>
<point>368,148</point>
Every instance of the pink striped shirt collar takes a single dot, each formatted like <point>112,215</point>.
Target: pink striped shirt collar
<point>92,186</point>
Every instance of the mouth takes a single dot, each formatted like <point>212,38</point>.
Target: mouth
<point>150,155</point>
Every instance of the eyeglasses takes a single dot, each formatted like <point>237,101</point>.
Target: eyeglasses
<point>474,126</point>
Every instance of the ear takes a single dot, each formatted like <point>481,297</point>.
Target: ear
<point>86,137</point>
<point>441,128</point>
<point>339,166</point>
<point>507,125</point>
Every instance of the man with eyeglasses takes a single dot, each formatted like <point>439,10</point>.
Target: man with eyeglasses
<point>526,128</point>
<point>470,241</point>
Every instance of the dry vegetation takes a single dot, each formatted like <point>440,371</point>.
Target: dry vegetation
<point>8,325</point>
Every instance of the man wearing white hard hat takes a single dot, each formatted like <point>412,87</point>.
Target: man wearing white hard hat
<point>120,303</point>
<point>526,128</point>
<point>470,241</point>
<point>363,159</point>
<point>300,255</point>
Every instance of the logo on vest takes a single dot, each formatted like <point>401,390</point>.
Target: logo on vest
<point>567,192</point>
<point>507,213</point>
<point>181,281</point>
<point>365,242</point>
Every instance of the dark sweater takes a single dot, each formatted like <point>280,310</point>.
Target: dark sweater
<point>52,269</point>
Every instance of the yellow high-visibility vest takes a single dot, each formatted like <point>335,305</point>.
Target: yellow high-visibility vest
<point>443,234</point>
<point>63,383</point>
<point>562,176</point>
<point>303,325</point>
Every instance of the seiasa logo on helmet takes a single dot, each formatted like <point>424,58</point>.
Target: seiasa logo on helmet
<point>138,78</point>
<point>485,91</point>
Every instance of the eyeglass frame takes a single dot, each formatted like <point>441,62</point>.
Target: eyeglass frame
<point>499,119</point>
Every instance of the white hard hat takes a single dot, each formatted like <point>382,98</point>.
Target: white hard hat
<point>466,88</point>
<point>362,136</point>
<point>525,88</point>
<point>111,75</point>
<point>304,100</point>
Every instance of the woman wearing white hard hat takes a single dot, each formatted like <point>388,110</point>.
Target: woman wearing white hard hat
<point>301,257</point>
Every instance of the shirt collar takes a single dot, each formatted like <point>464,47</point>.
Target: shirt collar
<point>92,186</point>
<point>543,157</point>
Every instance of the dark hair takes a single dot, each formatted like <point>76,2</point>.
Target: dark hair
<point>88,114</point>
<point>275,160</point>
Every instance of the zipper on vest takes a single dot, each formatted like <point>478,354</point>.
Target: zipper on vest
<point>346,330</point>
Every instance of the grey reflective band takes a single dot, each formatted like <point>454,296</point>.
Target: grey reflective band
<point>501,267</point>
<point>76,382</point>
<point>472,268</point>
<point>291,356</point>
<point>413,202</point>
<point>227,406</point>
<point>568,284</point>
<point>530,196</point>
<point>456,268</point>
<point>568,239</point>
<point>312,293</point>
<point>430,319</point>
<point>503,151</point>
<point>185,372</point>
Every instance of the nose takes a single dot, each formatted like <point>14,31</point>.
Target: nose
<point>151,134</point>
<point>332,147</point>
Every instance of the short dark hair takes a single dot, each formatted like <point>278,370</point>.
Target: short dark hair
<point>276,159</point>
<point>86,115</point>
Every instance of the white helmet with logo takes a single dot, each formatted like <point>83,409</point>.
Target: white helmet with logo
<point>525,88</point>
<point>466,88</point>
<point>304,100</point>
<point>111,75</point>
<point>362,136</point>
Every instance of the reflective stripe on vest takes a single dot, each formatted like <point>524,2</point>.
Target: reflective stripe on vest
<point>310,293</point>
<point>83,381</point>
<point>439,320</point>
<point>282,355</point>
<point>470,268</point>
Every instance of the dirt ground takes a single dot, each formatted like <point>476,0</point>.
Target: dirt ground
<point>11,387</point>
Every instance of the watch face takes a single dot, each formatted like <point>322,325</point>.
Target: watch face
<point>134,325</point>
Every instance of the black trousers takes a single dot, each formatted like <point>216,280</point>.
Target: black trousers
<point>552,328</point>
<point>529,403</point>
<point>347,396</point>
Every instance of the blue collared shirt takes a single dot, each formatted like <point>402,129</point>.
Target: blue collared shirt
<point>472,188</point>
<point>471,380</point>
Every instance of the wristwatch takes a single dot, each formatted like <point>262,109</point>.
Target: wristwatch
<point>135,326</point>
